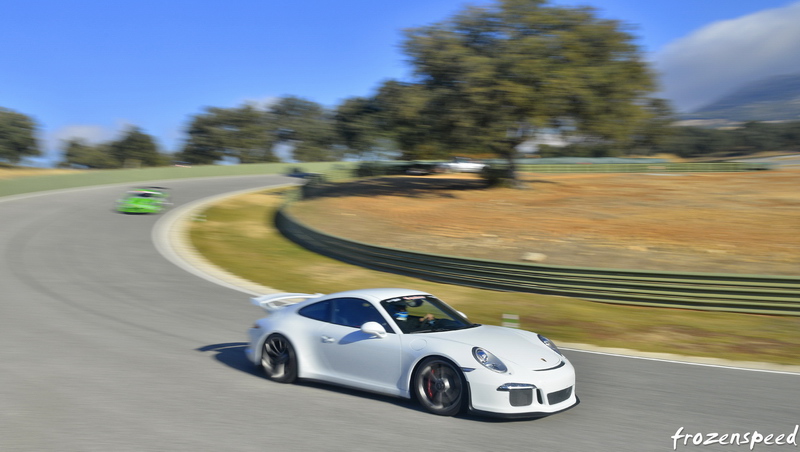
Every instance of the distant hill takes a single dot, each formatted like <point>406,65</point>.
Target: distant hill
<point>771,99</point>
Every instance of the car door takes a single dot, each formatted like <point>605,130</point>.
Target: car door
<point>356,358</point>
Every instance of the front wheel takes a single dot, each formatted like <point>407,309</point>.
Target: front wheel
<point>439,387</point>
<point>278,359</point>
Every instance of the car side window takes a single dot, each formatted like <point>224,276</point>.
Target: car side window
<point>318,311</point>
<point>354,312</point>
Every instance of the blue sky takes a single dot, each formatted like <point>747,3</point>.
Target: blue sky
<point>89,68</point>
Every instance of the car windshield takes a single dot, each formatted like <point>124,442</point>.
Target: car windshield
<point>424,314</point>
<point>144,194</point>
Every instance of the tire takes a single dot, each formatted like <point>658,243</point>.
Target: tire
<point>279,360</point>
<point>439,387</point>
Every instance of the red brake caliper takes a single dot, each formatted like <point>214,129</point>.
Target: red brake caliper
<point>431,384</point>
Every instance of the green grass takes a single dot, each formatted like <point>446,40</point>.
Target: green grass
<point>238,235</point>
<point>41,180</point>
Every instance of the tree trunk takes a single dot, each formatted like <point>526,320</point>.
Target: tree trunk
<point>508,150</point>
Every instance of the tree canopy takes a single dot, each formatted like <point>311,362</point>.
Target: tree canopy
<point>79,153</point>
<point>493,77</point>
<point>250,134</point>
<point>306,126</point>
<point>749,138</point>
<point>229,132</point>
<point>17,136</point>
<point>132,150</point>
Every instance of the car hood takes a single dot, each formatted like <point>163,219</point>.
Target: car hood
<point>140,201</point>
<point>520,347</point>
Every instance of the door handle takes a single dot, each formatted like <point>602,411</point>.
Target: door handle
<point>328,339</point>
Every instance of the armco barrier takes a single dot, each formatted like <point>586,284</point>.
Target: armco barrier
<point>645,167</point>
<point>370,169</point>
<point>775,295</point>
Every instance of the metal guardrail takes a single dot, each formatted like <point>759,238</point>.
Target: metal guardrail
<point>645,167</point>
<point>761,294</point>
<point>369,169</point>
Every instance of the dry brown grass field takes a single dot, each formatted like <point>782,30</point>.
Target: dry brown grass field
<point>13,173</point>
<point>746,223</point>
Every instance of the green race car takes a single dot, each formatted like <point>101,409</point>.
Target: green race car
<point>144,200</point>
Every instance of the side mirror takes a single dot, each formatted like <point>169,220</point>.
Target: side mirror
<point>374,329</point>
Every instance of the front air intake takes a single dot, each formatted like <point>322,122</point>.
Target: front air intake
<point>559,396</point>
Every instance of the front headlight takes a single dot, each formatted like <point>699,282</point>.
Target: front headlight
<point>550,344</point>
<point>488,360</point>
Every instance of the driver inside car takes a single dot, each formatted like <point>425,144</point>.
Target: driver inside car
<point>409,323</point>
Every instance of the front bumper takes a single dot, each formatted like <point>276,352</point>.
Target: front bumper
<point>522,393</point>
<point>138,209</point>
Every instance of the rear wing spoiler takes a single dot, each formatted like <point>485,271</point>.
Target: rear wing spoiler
<point>274,302</point>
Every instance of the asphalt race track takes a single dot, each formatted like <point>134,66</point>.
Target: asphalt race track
<point>105,345</point>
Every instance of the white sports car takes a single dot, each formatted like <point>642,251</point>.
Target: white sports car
<point>410,344</point>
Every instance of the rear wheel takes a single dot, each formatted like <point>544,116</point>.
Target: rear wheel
<point>439,387</point>
<point>278,359</point>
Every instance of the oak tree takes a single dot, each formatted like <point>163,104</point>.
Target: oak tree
<point>492,77</point>
<point>17,136</point>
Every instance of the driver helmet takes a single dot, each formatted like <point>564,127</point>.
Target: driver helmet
<point>399,310</point>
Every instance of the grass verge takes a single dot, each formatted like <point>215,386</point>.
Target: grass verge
<point>238,235</point>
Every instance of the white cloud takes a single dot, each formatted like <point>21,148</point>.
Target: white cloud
<point>263,103</point>
<point>54,142</point>
<point>91,134</point>
<point>723,56</point>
